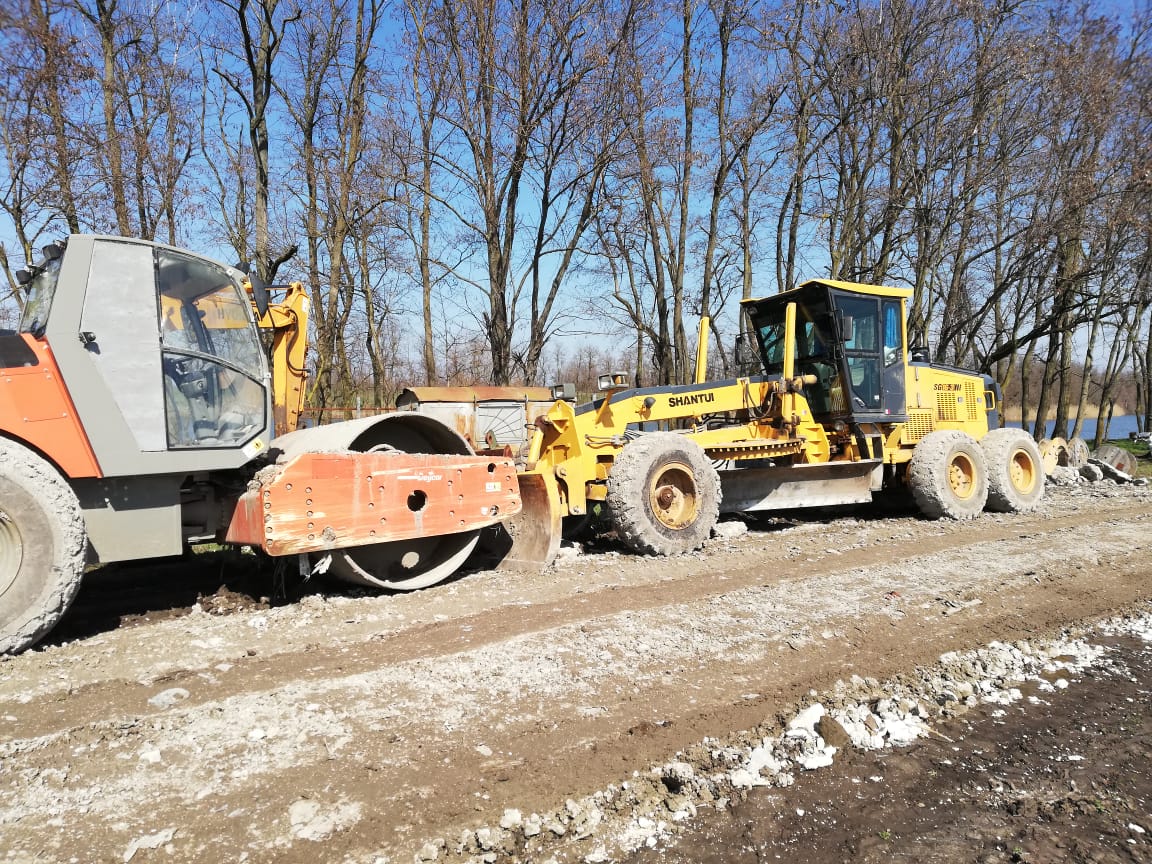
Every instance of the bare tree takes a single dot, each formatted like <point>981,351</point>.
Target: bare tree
<point>261,26</point>
<point>507,69</point>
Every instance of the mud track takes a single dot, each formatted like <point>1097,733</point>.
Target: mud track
<point>360,728</point>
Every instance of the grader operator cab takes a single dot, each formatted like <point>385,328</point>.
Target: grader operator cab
<point>139,413</point>
<point>840,412</point>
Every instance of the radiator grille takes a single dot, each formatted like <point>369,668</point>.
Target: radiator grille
<point>946,404</point>
<point>919,424</point>
<point>972,400</point>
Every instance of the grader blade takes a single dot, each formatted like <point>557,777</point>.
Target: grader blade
<point>823,484</point>
<point>530,539</point>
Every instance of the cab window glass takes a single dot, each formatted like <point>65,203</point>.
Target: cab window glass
<point>892,341</point>
<point>772,343</point>
<point>211,355</point>
<point>860,322</point>
<point>39,301</point>
<point>203,310</point>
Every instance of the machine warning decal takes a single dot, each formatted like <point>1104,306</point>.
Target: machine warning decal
<point>694,399</point>
<point>253,448</point>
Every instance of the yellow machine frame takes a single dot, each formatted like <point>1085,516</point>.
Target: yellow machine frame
<point>748,418</point>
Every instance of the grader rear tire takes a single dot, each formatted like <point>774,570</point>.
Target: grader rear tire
<point>948,476</point>
<point>1015,471</point>
<point>663,495</point>
<point>43,547</point>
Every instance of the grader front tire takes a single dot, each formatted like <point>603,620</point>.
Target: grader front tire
<point>948,476</point>
<point>1015,471</point>
<point>43,547</point>
<point>663,494</point>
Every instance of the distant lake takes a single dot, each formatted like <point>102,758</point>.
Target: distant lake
<point>1119,427</point>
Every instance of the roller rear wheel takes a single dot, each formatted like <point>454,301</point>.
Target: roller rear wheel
<point>403,565</point>
<point>43,547</point>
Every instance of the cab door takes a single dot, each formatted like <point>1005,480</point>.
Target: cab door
<point>166,376</point>
<point>872,345</point>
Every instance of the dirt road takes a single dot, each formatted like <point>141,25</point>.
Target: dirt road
<point>368,729</point>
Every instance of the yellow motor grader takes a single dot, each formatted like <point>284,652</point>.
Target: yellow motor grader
<point>843,408</point>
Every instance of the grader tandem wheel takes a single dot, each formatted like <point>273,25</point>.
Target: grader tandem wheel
<point>954,476</point>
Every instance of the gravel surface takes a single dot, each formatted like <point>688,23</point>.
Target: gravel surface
<point>580,714</point>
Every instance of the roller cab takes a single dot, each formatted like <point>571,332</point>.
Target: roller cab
<point>140,412</point>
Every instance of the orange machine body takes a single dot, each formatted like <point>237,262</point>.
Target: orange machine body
<point>36,409</point>
<point>318,501</point>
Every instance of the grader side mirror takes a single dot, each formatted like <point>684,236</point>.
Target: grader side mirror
<point>846,323</point>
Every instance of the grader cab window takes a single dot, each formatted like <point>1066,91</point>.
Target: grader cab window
<point>772,344</point>
<point>211,355</point>
<point>861,326</point>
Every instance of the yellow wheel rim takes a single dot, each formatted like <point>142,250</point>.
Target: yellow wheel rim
<point>962,476</point>
<point>1021,471</point>
<point>673,496</point>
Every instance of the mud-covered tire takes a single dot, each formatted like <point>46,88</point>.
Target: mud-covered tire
<point>43,547</point>
<point>663,495</point>
<point>948,476</point>
<point>1015,471</point>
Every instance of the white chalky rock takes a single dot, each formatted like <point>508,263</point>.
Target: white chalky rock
<point>511,819</point>
<point>899,731</point>
<point>149,841</point>
<point>808,718</point>
<point>729,530</point>
<point>681,771</point>
<point>168,698</point>
<point>742,778</point>
<point>822,759</point>
<point>485,838</point>
<point>311,821</point>
<point>761,761</point>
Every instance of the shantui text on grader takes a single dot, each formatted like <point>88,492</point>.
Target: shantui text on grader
<point>140,412</point>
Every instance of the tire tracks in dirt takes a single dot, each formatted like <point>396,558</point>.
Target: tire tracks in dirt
<point>431,725</point>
